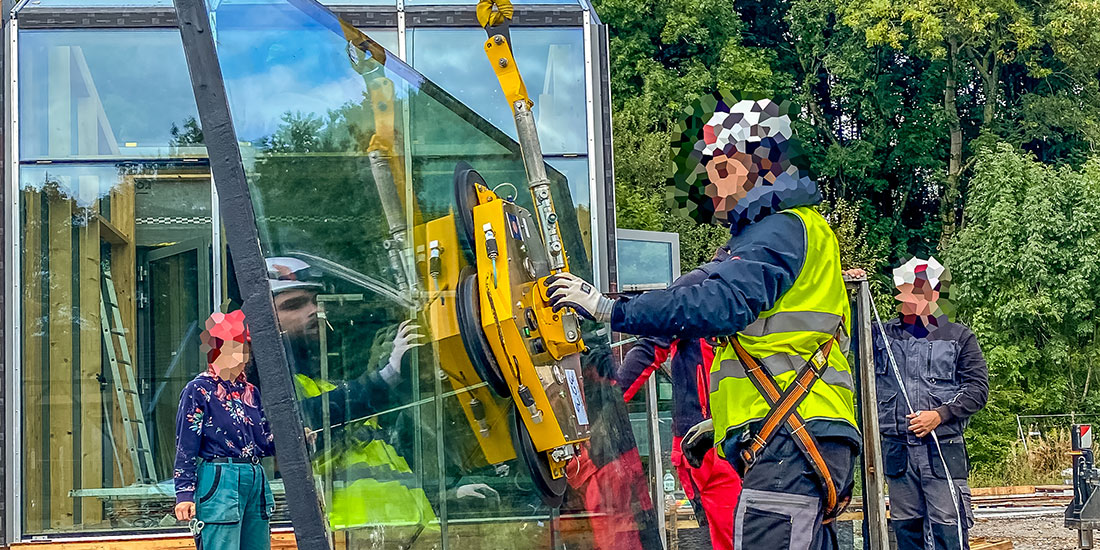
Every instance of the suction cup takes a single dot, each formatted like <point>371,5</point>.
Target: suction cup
<point>468,311</point>
<point>465,201</point>
<point>551,490</point>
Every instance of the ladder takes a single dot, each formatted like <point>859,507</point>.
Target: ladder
<point>125,380</point>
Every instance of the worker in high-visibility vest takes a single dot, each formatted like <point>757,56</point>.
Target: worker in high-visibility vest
<point>379,487</point>
<point>781,311</point>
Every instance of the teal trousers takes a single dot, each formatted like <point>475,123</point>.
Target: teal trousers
<point>234,507</point>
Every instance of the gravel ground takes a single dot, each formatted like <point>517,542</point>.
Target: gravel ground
<point>1046,533</point>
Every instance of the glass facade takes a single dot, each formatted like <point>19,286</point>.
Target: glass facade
<point>552,61</point>
<point>360,183</point>
<point>121,254</point>
<point>104,94</point>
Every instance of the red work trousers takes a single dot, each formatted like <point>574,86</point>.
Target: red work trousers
<point>717,486</point>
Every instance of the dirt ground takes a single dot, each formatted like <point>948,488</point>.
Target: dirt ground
<point>1045,533</point>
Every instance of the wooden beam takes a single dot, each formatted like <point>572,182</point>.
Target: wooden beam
<point>110,233</point>
<point>981,543</point>
<point>123,273</point>
<point>60,369</point>
<point>33,384</point>
<point>1002,491</point>
<point>91,367</point>
<point>80,66</point>
<point>59,102</point>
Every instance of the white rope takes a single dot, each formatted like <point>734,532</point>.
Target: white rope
<point>935,438</point>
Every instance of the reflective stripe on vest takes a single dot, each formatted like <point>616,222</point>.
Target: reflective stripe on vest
<point>777,365</point>
<point>813,310</point>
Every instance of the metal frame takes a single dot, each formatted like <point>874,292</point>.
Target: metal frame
<point>13,457</point>
<point>874,481</point>
<point>227,169</point>
<point>653,428</point>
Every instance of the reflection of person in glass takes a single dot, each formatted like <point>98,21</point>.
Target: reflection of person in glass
<point>379,486</point>
<point>221,434</point>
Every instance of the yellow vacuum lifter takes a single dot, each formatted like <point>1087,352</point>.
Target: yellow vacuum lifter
<point>516,342</point>
<point>438,266</point>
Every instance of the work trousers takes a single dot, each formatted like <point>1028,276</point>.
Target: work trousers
<point>782,501</point>
<point>713,489</point>
<point>234,507</point>
<point>921,504</point>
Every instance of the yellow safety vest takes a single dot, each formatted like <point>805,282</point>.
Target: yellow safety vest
<point>782,339</point>
<point>368,501</point>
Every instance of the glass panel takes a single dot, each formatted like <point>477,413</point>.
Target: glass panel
<point>105,94</point>
<point>575,170</point>
<point>552,61</point>
<point>351,159</point>
<point>150,225</point>
<point>168,3</point>
<point>465,3</point>
<point>644,262</point>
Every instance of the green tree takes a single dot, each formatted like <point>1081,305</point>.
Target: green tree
<point>1026,269</point>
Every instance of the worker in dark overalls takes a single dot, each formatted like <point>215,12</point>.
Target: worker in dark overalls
<point>945,383</point>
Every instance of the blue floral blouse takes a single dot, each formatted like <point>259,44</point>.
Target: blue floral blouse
<point>208,427</point>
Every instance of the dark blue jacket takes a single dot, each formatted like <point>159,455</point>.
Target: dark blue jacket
<point>690,366</point>
<point>765,259</point>
<point>943,371</point>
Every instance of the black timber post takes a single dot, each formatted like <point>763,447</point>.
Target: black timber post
<point>279,402</point>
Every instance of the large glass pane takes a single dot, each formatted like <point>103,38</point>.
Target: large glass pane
<point>100,392</point>
<point>552,61</point>
<point>168,3</point>
<point>575,170</point>
<point>105,94</point>
<point>351,159</point>
<point>464,3</point>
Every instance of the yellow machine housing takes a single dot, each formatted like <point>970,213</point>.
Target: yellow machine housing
<point>535,348</point>
<point>490,423</point>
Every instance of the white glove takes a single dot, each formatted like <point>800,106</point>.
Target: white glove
<point>698,440</point>
<point>568,290</point>
<point>479,491</point>
<point>406,339</point>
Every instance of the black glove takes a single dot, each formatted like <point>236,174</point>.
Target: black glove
<point>697,442</point>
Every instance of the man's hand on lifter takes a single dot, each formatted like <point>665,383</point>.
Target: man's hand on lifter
<point>185,511</point>
<point>568,290</point>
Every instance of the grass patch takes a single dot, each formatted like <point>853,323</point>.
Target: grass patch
<point>1040,463</point>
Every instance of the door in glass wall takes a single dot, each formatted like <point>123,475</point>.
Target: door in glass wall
<point>173,303</point>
